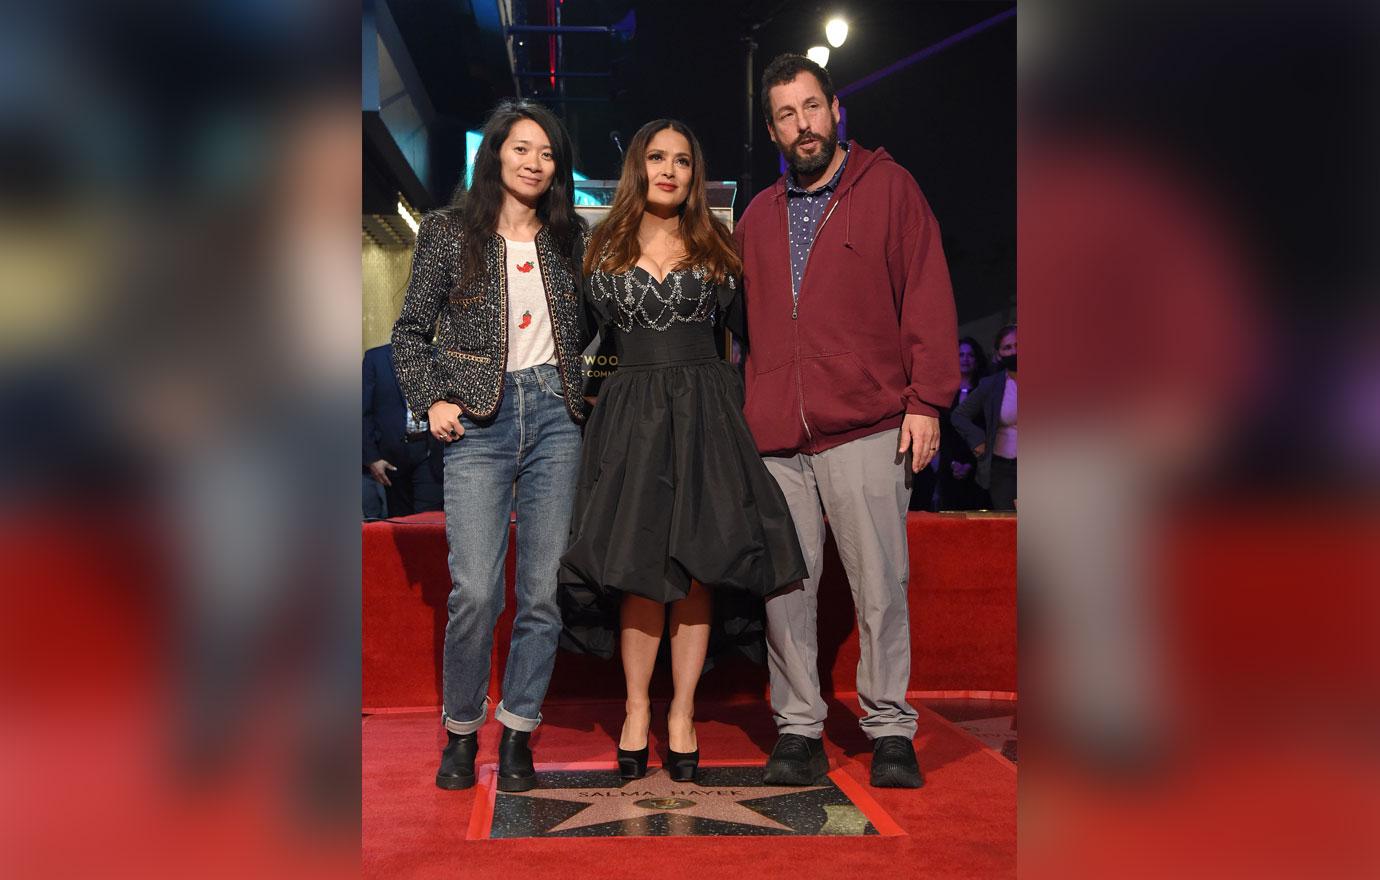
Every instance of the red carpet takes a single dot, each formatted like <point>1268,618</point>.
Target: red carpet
<point>961,824</point>
<point>963,617</point>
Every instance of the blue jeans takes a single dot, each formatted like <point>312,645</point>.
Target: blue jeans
<point>527,457</point>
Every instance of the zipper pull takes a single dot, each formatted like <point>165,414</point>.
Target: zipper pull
<point>795,310</point>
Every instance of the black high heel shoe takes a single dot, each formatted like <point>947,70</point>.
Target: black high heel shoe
<point>683,765</point>
<point>633,764</point>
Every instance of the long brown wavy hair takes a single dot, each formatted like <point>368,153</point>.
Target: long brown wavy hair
<point>706,240</point>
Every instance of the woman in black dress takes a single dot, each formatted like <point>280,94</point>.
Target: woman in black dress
<point>672,497</point>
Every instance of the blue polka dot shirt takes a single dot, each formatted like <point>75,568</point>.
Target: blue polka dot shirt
<point>805,210</point>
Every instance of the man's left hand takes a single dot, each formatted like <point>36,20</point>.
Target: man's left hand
<point>919,434</point>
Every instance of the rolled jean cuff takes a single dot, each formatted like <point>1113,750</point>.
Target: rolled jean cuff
<point>464,727</point>
<point>515,722</point>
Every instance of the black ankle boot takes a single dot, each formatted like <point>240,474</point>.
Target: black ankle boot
<point>515,771</point>
<point>683,765</point>
<point>457,761</point>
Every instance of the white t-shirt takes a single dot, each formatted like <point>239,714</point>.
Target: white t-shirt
<point>1005,442</point>
<point>530,338</point>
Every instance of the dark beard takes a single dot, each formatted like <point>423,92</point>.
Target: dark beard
<point>802,166</point>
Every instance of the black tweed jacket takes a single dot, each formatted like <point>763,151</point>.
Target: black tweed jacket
<point>456,347</point>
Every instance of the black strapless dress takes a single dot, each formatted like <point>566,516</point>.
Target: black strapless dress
<point>671,487</point>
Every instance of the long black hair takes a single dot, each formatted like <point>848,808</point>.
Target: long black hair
<point>980,363</point>
<point>478,206</point>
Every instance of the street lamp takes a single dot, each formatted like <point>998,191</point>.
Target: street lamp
<point>836,31</point>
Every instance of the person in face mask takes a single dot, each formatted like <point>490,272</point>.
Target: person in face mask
<point>958,488</point>
<point>994,442</point>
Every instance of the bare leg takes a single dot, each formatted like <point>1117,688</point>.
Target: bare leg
<point>640,626</point>
<point>689,642</point>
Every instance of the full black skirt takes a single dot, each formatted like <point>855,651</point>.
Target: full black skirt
<point>672,489</point>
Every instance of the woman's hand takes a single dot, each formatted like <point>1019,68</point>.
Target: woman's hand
<point>444,419</point>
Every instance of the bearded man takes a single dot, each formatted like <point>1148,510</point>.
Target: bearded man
<point>853,351</point>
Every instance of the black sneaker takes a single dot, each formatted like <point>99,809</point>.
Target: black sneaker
<point>457,761</point>
<point>796,760</point>
<point>894,764</point>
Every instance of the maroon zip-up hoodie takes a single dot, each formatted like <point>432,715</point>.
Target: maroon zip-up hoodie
<point>873,335</point>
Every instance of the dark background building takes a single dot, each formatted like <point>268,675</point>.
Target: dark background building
<point>949,118</point>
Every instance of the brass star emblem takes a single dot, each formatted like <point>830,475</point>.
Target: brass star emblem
<point>639,799</point>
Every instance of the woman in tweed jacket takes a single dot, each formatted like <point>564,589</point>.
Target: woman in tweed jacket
<point>487,350</point>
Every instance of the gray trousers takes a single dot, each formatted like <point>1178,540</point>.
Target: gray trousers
<point>862,486</point>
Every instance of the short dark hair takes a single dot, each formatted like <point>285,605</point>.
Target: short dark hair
<point>786,67</point>
<point>1002,334</point>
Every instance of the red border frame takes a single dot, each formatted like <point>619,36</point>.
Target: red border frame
<point>482,814</point>
<point>857,793</point>
<point>486,793</point>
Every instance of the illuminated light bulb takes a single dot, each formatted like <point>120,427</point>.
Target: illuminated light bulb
<point>836,31</point>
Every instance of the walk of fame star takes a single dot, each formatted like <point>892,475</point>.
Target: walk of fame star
<point>657,793</point>
<point>725,801</point>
